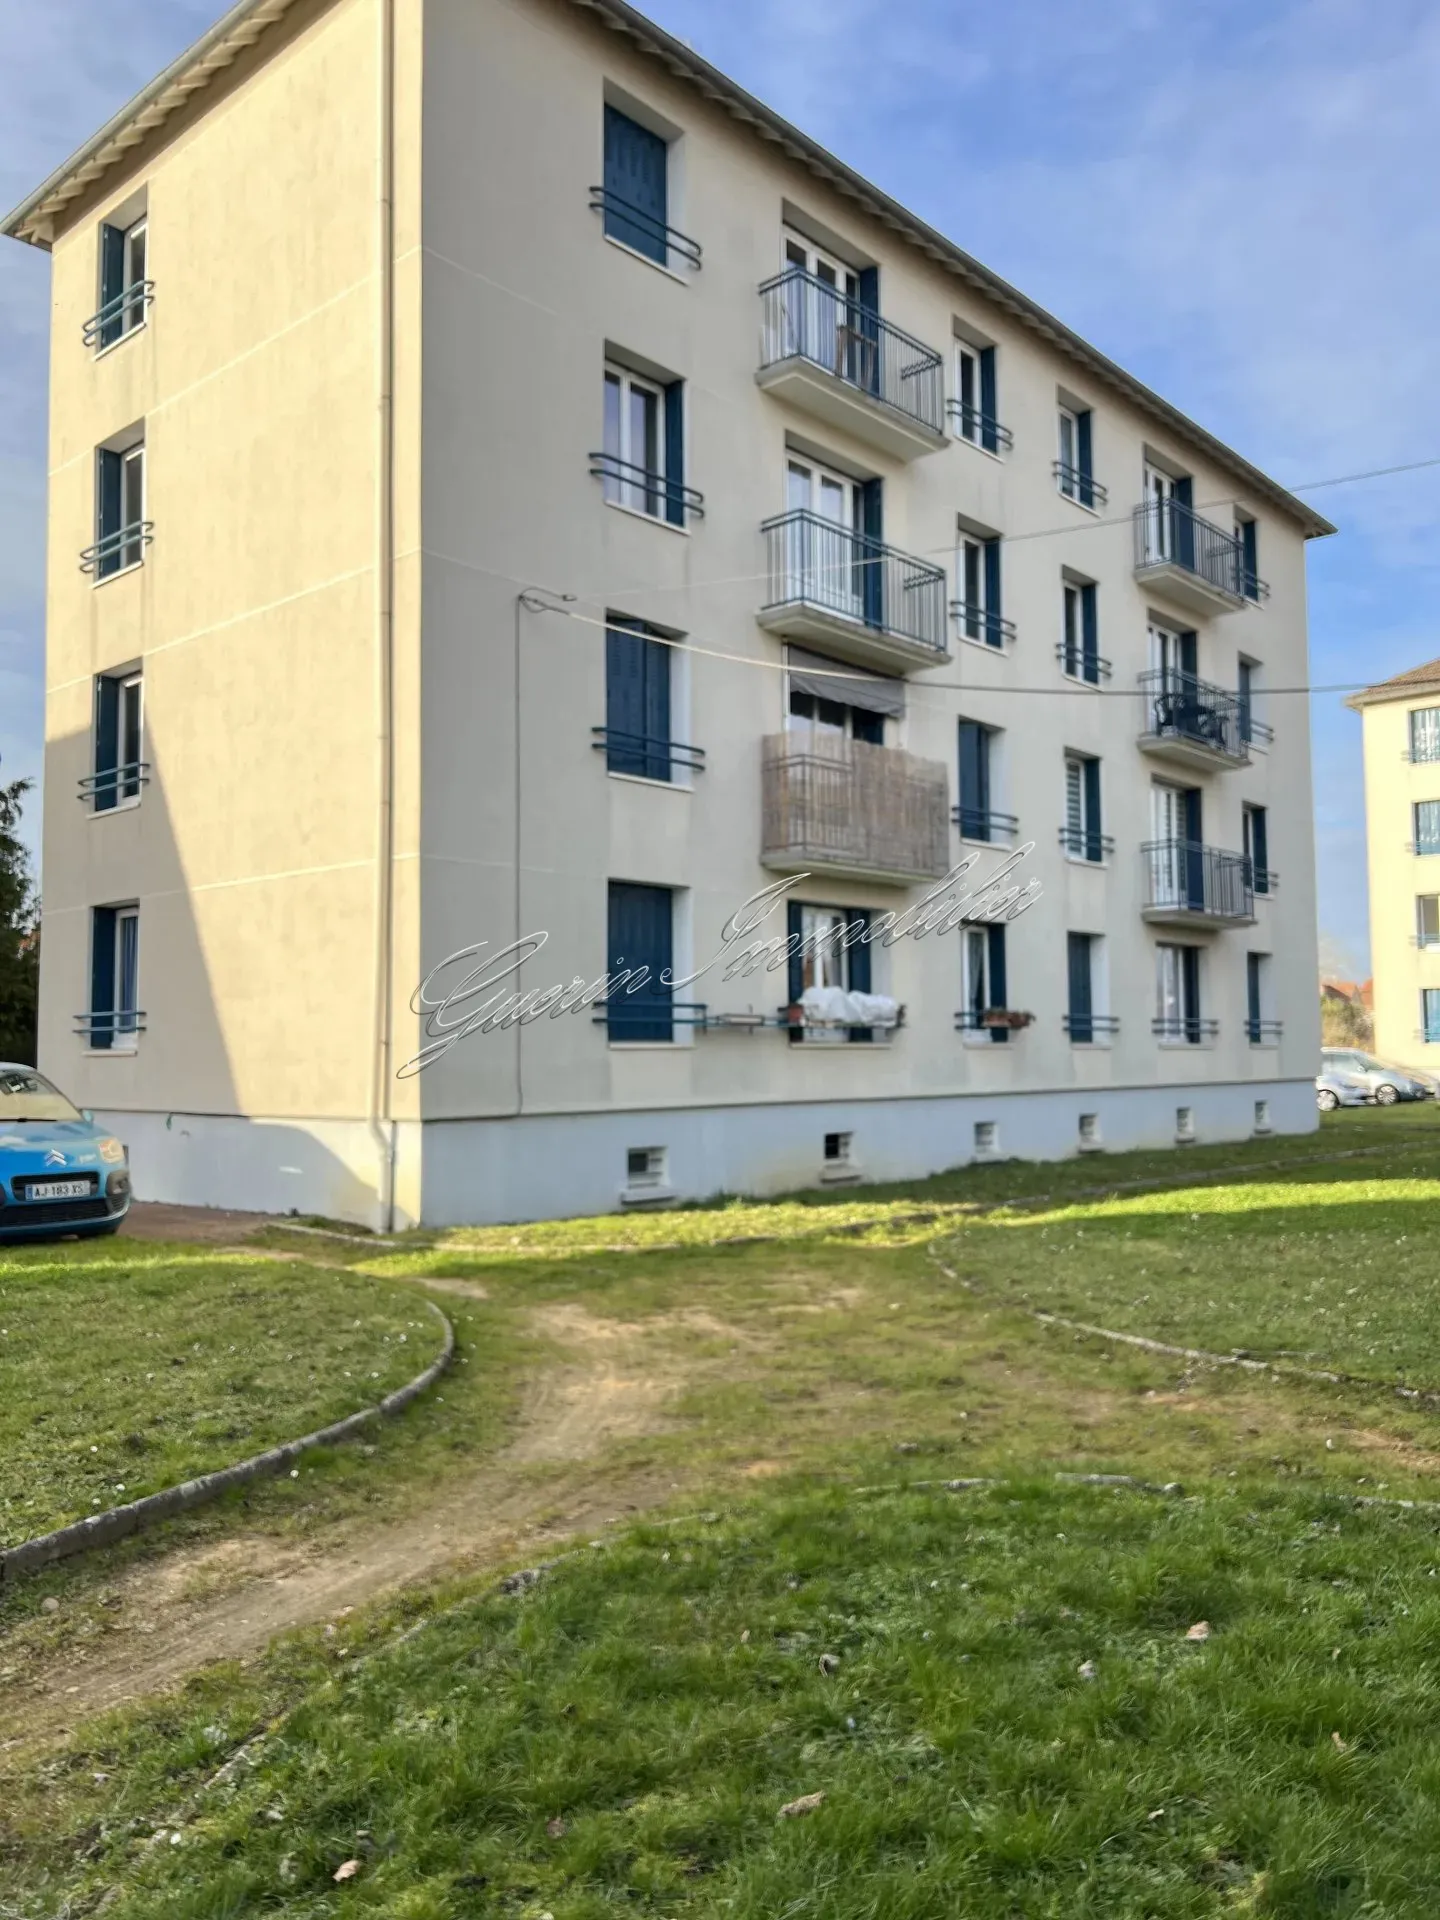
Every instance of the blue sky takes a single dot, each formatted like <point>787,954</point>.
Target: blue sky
<point>1233,200</point>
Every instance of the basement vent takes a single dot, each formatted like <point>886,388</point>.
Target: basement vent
<point>644,1166</point>
<point>837,1146</point>
<point>1089,1129</point>
<point>987,1136</point>
<point>1184,1123</point>
<point>1262,1116</point>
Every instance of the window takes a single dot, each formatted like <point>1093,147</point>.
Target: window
<point>829,702</point>
<point>975,408</point>
<point>977,569</point>
<point>837,1147</point>
<point>114,1018</point>
<point>1080,646</point>
<point>975,816</point>
<point>1177,983</point>
<point>1425,733</point>
<point>1245,699</point>
<point>119,771</point>
<point>816,722</point>
<point>124,290</point>
<point>827,314</point>
<point>982,957</point>
<point>1430,1015</point>
<point>1080,1019</point>
<point>636,201</point>
<point>1081,836</point>
<point>828,949</point>
<point>644,1167</point>
<point>1255,828</point>
<point>1247,540</point>
<point>833,553</point>
<point>1259,1024</point>
<point>643,462</point>
<point>1427,826</point>
<point>1427,920</point>
<point>121,529</point>
<point>1169,524</point>
<point>642,941</point>
<point>1075,468</point>
<point>1175,853</point>
<point>637,701</point>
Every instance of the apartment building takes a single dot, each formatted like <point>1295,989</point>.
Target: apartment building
<point>505,480</point>
<point>1401,731</point>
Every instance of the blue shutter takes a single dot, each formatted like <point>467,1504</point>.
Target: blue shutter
<point>108,482</point>
<point>1259,850</point>
<point>1194,851</point>
<point>989,439</point>
<point>993,636</point>
<point>641,921</point>
<point>1244,700</point>
<point>112,282</point>
<point>1430,1013</point>
<point>1182,524</point>
<point>857,965</point>
<point>1082,1025</point>
<point>637,702</point>
<point>995,957</point>
<point>1084,457</point>
<point>102,974</point>
<point>868,320</point>
<point>1190,986</point>
<point>107,741</point>
<point>675,453</point>
<point>1249,560</point>
<point>636,198</point>
<point>795,978</point>
<point>1094,850</point>
<point>1252,994</point>
<point>974,780</point>
<point>1189,656</point>
<point>1089,636</point>
<point>869,558</point>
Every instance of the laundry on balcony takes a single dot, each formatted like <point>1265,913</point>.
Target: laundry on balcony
<point>839,1007</point>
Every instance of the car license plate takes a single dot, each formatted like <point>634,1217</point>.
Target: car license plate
<point>58,1190</point>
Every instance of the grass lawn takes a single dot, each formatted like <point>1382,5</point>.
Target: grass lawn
<point>127,1368</point>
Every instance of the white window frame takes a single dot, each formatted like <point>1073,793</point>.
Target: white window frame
<point>621,490</point>
<point>1421,939</point>
<point>1168,992</point>
<point>966,545</point>
<point>127,794</point>
<point>1068,479</point>
<point>966,355</point>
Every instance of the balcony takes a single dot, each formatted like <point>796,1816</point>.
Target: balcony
<point>845,365</point>
<point>1190,885</point>
<point>861,600</point>
<point>866,812</point>
<point>1194,563</point>
<point>1192,723</point>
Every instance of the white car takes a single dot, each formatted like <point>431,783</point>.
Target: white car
<point>1383,1083</point>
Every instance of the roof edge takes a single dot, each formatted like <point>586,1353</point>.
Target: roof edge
<point>33,221</point>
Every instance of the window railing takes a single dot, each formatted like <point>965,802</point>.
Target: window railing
<point>1252,731</point>
<point>1168,533</point>
<point>806,318</point>
<point>116,551</point>
<point>634,227</point>
<point>855,805</point>
<point>645,751</point>
<point>793,1019</point>
<point>645,491</point>
<point>1184,708</point>
<point>1076,484</point>
<point>984,823</point>
<point>1184,1026</point>
<point>979,623</point>
<point>816,562</point>
<point>1076,664</point>
<point>103,1028</point>
<point>1084,844</point>
<point>1083,1027</point>
<point>1428,842</point>
<point>1192,878</point>
<point>1262,880</point>
<point>1000,1020</point>
<point>640,1018</point>
<point>118,316</point>
<point>980,429</point>
<point>106,789</point>
<point>1258,1032</point>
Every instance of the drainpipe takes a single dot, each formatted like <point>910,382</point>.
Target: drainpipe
<point>382,1124</point>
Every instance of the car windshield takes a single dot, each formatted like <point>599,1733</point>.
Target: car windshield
<point>26,1095</point>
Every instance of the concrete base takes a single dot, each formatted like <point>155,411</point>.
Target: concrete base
<point>563,1166</point>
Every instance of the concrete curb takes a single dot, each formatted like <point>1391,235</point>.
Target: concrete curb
<point>116,1523</point>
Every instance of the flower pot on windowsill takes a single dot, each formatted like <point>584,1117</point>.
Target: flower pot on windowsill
<point>1005,1017</point>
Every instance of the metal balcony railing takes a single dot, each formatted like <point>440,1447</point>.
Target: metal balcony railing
<point>1075,663</point>
<point>1083,844</point>
<point>103,1029</point>
<point>985,823</point>
<point>1076,484</point>
<point>815,562</point>
<point>979,623</point>
<point>645,491</point>
<point>1184,1026</point>
<point>118,316</point>
<point>1169,534</point>
<point>1259,1032</point>
<point>1083,1027</point>
<point>980,429</point>
<point>1187,877</point>
<point>871,809</point>
<point>1180,707</point>
<point>107,789</point>
<point>116,551</point>
<point>806,318</point>
<point>633,227</point>
<point>648,755</point>
<point>648,1016</point>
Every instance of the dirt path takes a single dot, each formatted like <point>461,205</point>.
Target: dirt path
<point>226,1600</point>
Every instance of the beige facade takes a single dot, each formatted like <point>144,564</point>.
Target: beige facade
<point>1401,723</point>
<point>370,386</point>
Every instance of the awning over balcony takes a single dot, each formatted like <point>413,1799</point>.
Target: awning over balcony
<point>821,676</point>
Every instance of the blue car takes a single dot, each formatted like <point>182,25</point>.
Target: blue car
<point>59,1172</point>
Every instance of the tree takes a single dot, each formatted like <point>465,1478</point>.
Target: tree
<point>19,934</point>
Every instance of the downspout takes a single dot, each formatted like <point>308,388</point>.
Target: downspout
<point>382,1123</point>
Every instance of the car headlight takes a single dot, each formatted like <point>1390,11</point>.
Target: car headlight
<point>112,1152</point>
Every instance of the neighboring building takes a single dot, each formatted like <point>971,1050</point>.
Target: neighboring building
<point>369,317</point>
<point>1401,728</point>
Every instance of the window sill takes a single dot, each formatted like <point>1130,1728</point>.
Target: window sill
<point>105,580</point>
<point>650,519</point>
<point>963,440</point>
<point>120,806</point>
<point>1095,511</point>
<point>989,846</point>
<point>647,1046</point>
<point>1264,1046</point>
<point>1090,1046</point>
<point>103,353</point>
<point>1079,860</point>
<point>111,1053</point>
<point>1184,1046</point>
<point>1079,680</point>
<point>839,1174</point>
<point>1002,652</point>
<point>982,1039</point>
<point>647,1196</point>
<point>644,780</point>
<point>670,273</point>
